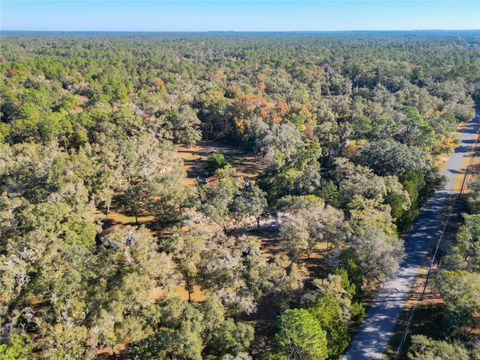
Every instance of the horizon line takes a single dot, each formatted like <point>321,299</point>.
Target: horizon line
<point>240,31</point>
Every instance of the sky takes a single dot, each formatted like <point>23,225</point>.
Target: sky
<point>238,15</point>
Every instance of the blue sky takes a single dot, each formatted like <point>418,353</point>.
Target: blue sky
<point>236,15</point>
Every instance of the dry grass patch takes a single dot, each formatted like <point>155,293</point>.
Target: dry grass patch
<point>195,158</point>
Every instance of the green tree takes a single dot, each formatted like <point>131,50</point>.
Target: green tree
<point>459,290</point>
<point>309,222</point>
<point>215,162</point>
<point>350,267</point>
<point>151,179</point>
<point>378,249</point>
<point>415,130</point>
<point>328,311</point>
<point>464,254</point>
<point>16,348</point>
<point>188,253</point>
<point>217,198</point>
<point>355,293</point>
<point>300,336</point>
<point>121,301</point>
<point>193,331</point>
<point>362,126</point>
<point>186,126</point>
<point>474,195</point>
<point>250,202</point>
<point>424,348</point>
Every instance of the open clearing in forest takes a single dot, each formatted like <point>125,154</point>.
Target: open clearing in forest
<point>195,158</point>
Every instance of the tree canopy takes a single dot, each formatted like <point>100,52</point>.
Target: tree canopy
<point>125,231</point>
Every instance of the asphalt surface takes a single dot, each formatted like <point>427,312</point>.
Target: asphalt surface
<point>373,335</point>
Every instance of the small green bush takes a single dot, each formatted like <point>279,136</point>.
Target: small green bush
<point>215,162</point>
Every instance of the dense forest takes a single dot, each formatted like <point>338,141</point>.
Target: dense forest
<point>346,130</point>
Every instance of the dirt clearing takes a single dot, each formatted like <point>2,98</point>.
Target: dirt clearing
<point>195,158</point>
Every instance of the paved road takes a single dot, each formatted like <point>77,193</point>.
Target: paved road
<point>373,335</point>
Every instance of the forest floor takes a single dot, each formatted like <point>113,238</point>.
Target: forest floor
<point>195,159</point>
